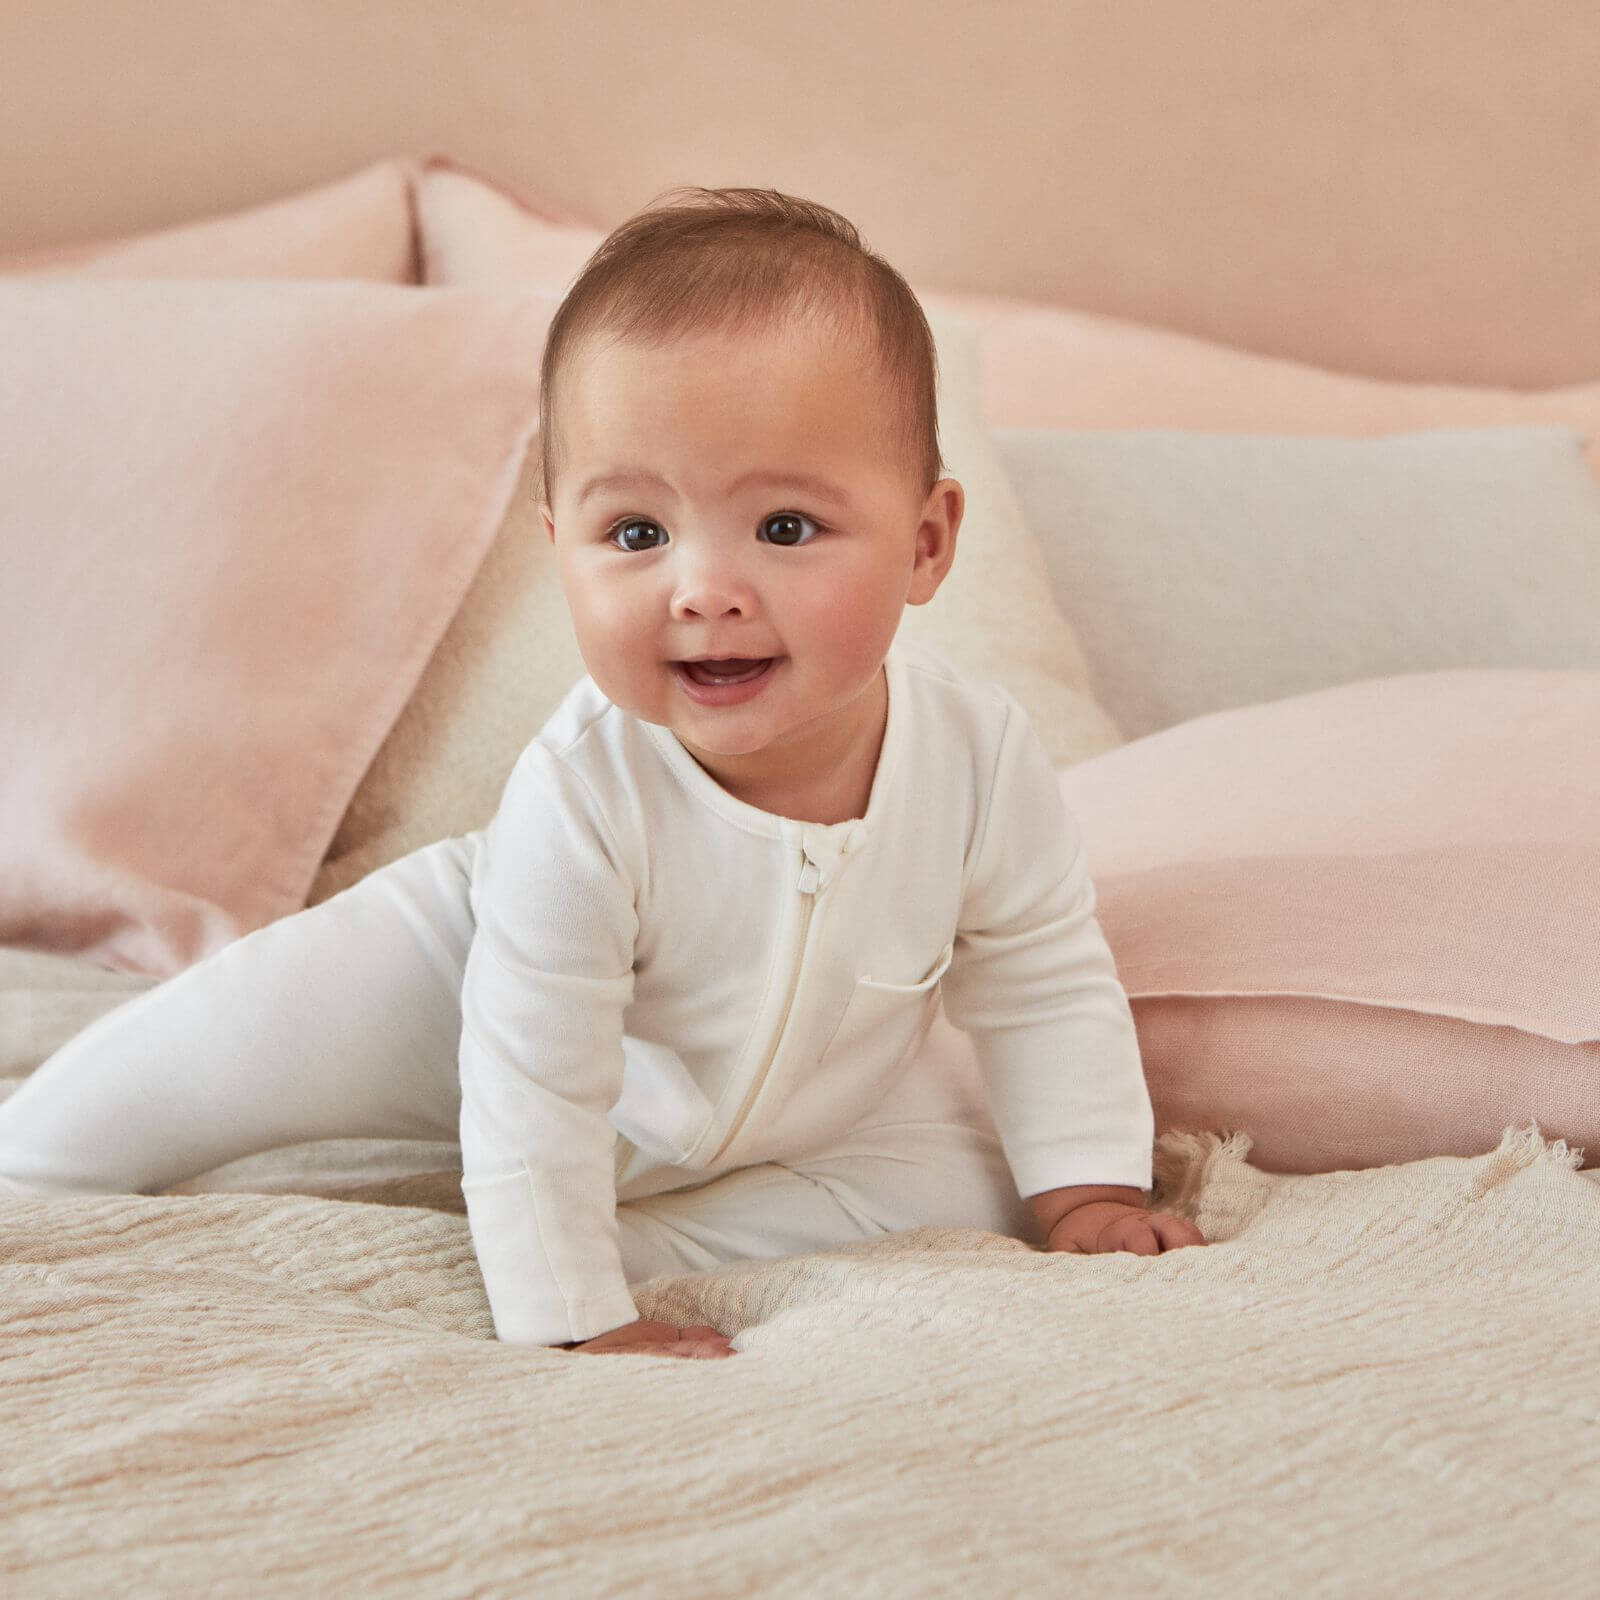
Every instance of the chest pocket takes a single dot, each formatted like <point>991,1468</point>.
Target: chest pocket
<point>884,1022</point>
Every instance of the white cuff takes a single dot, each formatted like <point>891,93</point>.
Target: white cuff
<point>546,1291</point>
<point>1036,1171</point>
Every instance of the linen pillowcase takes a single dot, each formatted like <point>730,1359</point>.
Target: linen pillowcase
<point>358,227</point>
<point>1360,923</point>
<point>1048,366</point>
<point>1203,571</point>
<point>509,655</point>
<point>238,517</point>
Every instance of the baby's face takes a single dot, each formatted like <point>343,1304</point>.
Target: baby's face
<point>739,496</point>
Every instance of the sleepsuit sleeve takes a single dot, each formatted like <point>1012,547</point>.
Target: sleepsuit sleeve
<point>1033,982</point>
<point>548,976</point>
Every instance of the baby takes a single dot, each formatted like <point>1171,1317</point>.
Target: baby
<point>676,1000</point>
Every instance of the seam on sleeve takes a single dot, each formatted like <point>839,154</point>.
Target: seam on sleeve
<point>556,1273</point>
<point>613,843</point>
<point>970,867</point>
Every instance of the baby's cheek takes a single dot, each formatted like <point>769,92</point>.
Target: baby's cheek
<point>607,627</point>
<point>859,626</point>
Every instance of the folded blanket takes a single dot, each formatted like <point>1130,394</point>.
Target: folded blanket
<point>1370,1382</point>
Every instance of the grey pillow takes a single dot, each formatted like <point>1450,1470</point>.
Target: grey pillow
<point>1202,571</point>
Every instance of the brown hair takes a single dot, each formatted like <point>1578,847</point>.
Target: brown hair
<point>735,259</point>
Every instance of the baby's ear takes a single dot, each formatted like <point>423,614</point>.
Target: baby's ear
<point>936,539</point>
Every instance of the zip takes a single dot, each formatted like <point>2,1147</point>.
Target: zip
<point>809,882</point>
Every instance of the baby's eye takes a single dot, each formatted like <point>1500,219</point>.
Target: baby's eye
<point>788,527</point>
<point>622,535</point>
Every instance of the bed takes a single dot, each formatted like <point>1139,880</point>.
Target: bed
<point>1270,361</point>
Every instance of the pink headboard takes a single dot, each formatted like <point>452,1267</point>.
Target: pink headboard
<point>1409,190</point>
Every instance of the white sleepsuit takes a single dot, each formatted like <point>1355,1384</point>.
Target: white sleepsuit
<point>668,1028</point>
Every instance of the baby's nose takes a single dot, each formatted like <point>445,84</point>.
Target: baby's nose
<point>712,590</point>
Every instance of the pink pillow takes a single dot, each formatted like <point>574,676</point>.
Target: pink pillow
<point>1052,367</point>
<point>238,517</point>
<point>474,231</point>
<point>1360,923</point>
<point>357,227</point>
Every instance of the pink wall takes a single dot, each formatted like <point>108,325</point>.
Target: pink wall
<point>1403,189</point>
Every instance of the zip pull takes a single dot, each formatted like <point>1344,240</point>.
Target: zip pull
<point>823,852</point>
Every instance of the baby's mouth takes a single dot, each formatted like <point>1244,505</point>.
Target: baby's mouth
<point>734,670</point>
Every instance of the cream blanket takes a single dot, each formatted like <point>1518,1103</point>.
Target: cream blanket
<point>1374,1383</point>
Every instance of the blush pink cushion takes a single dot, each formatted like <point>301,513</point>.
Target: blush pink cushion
<point>357,227</point>
<point>237,518</point>
<point>1053,367</point>
<point>475,231</point>
<point>1361,923</point>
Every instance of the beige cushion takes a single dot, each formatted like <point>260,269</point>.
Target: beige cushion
<point>1203,570</point>
<point>1360,924</point>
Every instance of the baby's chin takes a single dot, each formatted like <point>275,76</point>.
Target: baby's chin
<point>714,731</point>
<point>723,735</point>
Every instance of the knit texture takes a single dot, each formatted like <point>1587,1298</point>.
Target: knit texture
<point>1376,1381</point>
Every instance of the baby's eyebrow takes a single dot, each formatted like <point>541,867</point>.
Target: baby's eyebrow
<point>806,482</point>
<point>620,480</point>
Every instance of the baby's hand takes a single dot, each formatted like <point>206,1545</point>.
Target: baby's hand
<point>658,1339</point>
<point>1105,1226</point>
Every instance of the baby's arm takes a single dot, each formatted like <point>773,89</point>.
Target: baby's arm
<point>1035,985</point>
<point>548,978</point>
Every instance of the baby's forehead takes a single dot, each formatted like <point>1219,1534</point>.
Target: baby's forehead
<point>831,337</point>
<point>764,364</point>
<point>602,378</point>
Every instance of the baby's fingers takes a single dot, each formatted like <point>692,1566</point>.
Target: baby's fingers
<point>710,1346</point>
<point>658,1339</point>
<point>701,1342</point>
<point>1174,1232</point>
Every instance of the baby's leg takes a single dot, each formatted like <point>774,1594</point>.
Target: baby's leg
<point>928,1156</point>
<point>341,1021</point>
<point>878,1182</point>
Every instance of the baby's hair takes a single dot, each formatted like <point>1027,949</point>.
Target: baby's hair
<point>732,260</point>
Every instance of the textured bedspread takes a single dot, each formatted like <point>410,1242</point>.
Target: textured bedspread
<point>1377,1382</point>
